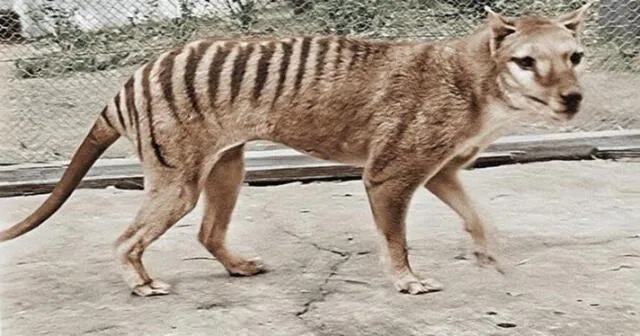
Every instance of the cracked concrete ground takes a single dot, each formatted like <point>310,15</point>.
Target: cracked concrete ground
<point>570,235</point>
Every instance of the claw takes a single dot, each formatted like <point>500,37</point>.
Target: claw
<point>486,259</point>
<point>432,285</point>
<point>154,288</point>
<point>248,268</point>
<point>413,285</point>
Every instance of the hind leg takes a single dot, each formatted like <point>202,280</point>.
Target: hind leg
<point>163,206</point>
<point>221,190</point>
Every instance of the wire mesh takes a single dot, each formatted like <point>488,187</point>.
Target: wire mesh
<point>60,60</point>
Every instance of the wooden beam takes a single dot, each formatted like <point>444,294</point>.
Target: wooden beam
<point>563,146</point>
<point>286,165</point>
<point>615,153</point>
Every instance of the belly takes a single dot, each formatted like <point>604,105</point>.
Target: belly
<point>339,148</point>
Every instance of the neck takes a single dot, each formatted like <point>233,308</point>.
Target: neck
<point>474,61</point>
<point>475,54</point>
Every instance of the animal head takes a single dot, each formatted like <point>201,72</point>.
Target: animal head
<point>537,59</point>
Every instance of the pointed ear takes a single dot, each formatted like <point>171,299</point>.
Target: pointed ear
<point>500,26</point>
<point>574,20</point>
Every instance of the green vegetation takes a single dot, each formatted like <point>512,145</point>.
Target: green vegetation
<point>70,49</point>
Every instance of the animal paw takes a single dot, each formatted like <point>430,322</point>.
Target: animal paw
<point>412,285</point>
<point>153,288</point>
<point>247,268</point>
<point>432,285</point>
<point>487,259</point>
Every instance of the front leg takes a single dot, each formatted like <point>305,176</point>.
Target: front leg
<point>389,199</point>
<point>447,187</point>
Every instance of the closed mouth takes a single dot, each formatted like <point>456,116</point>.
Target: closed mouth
<point>564,115</point>
<point>557,115</point>
<point>538,100</point>
<point>571,110</point>
<point>569,114</point>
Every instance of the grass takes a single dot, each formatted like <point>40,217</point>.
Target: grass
<point>74,50</point>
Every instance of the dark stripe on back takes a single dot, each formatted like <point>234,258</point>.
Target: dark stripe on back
<point>190,73</point>
<point>323,47</point>
<point>133,111</point>
<point>166,81</point>
<point>214,70</point>
<point>116,101</point>
<point>262,73</point>
<point>304,54</point>
<point>367,51</point>
<point>146,93</point>
<point>338,60</point>
<point>287,49</point>
<point>239,68</point>
<point>355,50</point>
<point>106,118</point>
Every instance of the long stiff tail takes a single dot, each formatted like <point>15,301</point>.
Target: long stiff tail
<point>101,136</point>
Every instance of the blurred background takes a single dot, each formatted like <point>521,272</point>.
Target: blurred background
<point>60,60</point>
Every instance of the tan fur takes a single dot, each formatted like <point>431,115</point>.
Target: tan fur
<point>411,114</point>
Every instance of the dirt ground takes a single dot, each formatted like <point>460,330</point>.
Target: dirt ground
<point>569,231</point>
<point>45,119</point>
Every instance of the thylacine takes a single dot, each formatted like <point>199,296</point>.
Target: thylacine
<point>412,114</point>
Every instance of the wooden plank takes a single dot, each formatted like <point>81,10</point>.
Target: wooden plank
<point>563,146</point>
<point>286,165</point>
<point>283,166</point>
<point>308,172</point>
<point>599,137</point>
<point>35,187</point>
<point>616,153</point>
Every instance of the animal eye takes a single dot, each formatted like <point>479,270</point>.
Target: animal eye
<point>525,63</point>
<point>576,57</point>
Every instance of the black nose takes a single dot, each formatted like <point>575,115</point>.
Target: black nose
<point>572,101</point>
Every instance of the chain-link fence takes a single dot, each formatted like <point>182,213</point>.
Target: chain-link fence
<point>60,60</point>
